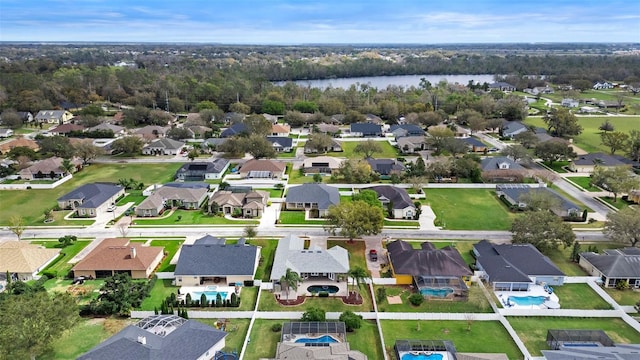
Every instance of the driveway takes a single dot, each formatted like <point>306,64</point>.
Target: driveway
<point>375,243</point>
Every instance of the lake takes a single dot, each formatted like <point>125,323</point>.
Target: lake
<point>381,82</point>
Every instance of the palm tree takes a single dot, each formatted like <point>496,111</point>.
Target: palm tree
<point>67,166</point>
<point>291,279</point>
<point>358,274</point>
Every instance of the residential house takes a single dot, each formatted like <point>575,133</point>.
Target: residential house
<point>202,170</point>
<point>211,144</point>
<point>602,85</point>
<point>5,133</point>
<point>90,199</point>
<point>405,130</point>
<point>271,118</point>
<point>325,165</point>
<point>198,131</point>
<point>411,144</point>
<point>328,129</point>
<point>234,129</point>
<point>53,116</point>
<point>310,264</point>
<point>501,169</point>
<point>580,349</point>
<point>502,86</point>
<point>474,144</point>
<point>386,167</point>
<point>538,90</point>
<point>65,129</point>
<point>613,266</point>
<point>151,132</point>
<point>290,347</point>
<point>366,130</point>
<point>373,119</point>
<point>210,260</point>
<point>189,196</point>
<point>234,117</point>
<point>397,199</point>
<point>263,169</point>
<point>570,103</point>
<point>48,169</point>
<point>119,255</point>
<point>335,146</point>
<point>586,163</point>
<point>18,142</point>
<point>161,337</point>
<point>23,260</point>
<point>513,194</point>
<point>312,197</point>
<point>164,146</point>
<point>117,130</point>
<point>610,104</point>
<point>515,267</point>
<point>250,204</point>
<point>281,144</point>
<point>281,130</point>
<point>25,116</point>
<point>510,129</point>
<point>428,267</point>
<point>542,134</point>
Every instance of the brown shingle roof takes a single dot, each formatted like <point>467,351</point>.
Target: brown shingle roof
<point>263,165</point>
<point>115,254</point>
<point>19,142</point>
<point>277,128</point>
<point>23,257</point>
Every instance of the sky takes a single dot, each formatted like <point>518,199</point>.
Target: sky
<point>280,22</point>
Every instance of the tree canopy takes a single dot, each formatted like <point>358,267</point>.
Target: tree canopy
<point>355,218</point>
<point>561,122</point>
<point>624,226</point>
<point>617,179</point>
<point>542,229</point>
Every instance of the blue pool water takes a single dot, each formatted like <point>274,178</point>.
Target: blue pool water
<point>527,300</point>
<point>442,292</point>
<point>211,295</point>
<point>331,289</point>
<point>409,356</point>
<point>321,339</point>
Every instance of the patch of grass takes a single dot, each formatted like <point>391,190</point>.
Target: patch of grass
<point>533,330</point>
<point>268,302</point>
<point>580,296</point>
<point>266,257</point>
<point>627,297</point>
<point>61,264</point>
<point>295,177</point>
<point>170,249</point>
<point>274,193</point>
<point>557,166</point>
<point>31,204</point>
<point>348,147</point>
<point>297,217</point>
<point>433,306</point>
<point>86,292</point>
<point>561,256</point>
<point>134,196</point>
<point>236,330</point>
<point>366,340</point>
<point>287,155</point>
<point>409,223</point>
<point>584,182</point>
<point>357,257</point>
<point>160,290</point>
<point>455,331</point>
<point>190,217</point>
<point>618,204</point>
<point>469,209</point>
<point>263,340</point>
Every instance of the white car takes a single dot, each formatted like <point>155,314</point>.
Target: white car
<point>111,208</point>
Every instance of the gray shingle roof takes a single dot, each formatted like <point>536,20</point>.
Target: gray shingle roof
<point>166,143</point>
<point>474,142</point>
<point>283,141</point>
<point>234,129</point>
<point>211,259</point>
<point>598,158</point>
<point>92,195</point>
<point>511,128</point>
<point>385,166</point>
<point>618,352</point>
<point>367,129</point>
<point>427,261</point>
<point>200,168</point>
<point>290,254</point>
<point>615,265</point>
<point>322,194</point>
<point>503,261</point>
<point>398,196</point>
<point>493,163</point>
<point>515,191</point>
<point>406,130</point>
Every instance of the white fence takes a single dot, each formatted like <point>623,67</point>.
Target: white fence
<point>26,186</point>
<point>384,281</point>
<point>166,275</point>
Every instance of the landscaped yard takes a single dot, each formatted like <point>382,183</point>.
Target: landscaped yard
<point>31,204</point>
<point>160,290</point>
<point>274,193</point>
<point>61,264</point>
<point>433,306</point>
<point>579,296</point>
<point>191,217</point>
<point>268,302</point>
<point>293,217</point>
<point>627,297</point>
<point>533,330</point>
<point>584,182</point>
<point>557,166</point>
<point>262,340</point>
<point>348,147</point>
<point>170,249</point>
<point>456,331</point>
<point>366,340</point>
<point>469,209</point>
<point>618,204</point>
<point>134,196</point>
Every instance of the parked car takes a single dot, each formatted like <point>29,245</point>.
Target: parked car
<point>373,255</point>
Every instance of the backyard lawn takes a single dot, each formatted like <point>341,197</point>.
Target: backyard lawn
<point>262,340</point>
<point>627,297</point>
<point>533,330</point>
<point>580,296</point>
<point>236,332</point>
<point>433,306</point>
<point>584,182</point>
<point>469,209</point>
<point>561,257</point>
<point>348,147</point>
<point>266,257</point>
<point>170,249</point>
<point>160,290</point>
<point>31,204</point>
<point>366,340</point>
<point>474,341</point>
<point>61,264</point>
<point>191,217</point>
<point>268,302</point>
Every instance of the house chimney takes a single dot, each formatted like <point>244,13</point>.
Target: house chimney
<point>133,252</point>
<point>142,340</point>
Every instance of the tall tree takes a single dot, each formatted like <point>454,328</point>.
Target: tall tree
<point>354,171</point>
<point>290,280</point>
<point>516,152</point>
<point>633,145</point>
<point>128,146</point>
<point>358,274</point>
<point>624,226</point>
<point>17,225</point>
<point>29,323</point>
<point>438,137</point>
<point>319,142</point>
<point>86,151</point>
<point>353,219</point>
<point>606,126</point>
<point>614,140</point>
<point>368,148</point>
<point>542,229</point>
<point>368,196</point>
<point>617,179</point>
<point>56,146</point>
<point>561,122</point>
<point>11,119</point>
<point>528,139</point>
<point>554,150</point>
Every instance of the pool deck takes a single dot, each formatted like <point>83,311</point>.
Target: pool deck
<point>184,290</point>
<point>445,355</point>
<point>534,290</point>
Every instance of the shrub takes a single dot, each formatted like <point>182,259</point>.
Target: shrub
<point>381,294</point>
<point>314,314</point>
<point>416,299</point>
<point>50,274</point>
<point>249,282</point>
<point>276,327</point>
<point>351,320</point>
<point>323,294</point>
<point>622,285</point>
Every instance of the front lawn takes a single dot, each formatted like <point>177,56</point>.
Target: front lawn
<point>433,306</point>
<point>469,209</point>
<point>296,217</point>
<point>348,147</point>
<point>618,204</point>
<point>401,223</point>
<point>357,257</point>
<point>627,297</point>
<point>262,340</point>
<point>192,217</point>
<point>557,166</point>
<point>580,296</point>
<point>533,330</point>
<point>170,249</point>
<point>584,182</point>
<point>61,264</point>
<point>484,337</point>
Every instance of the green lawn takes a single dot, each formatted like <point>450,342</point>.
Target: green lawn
<point>274,193</point>
<point>86,292</point>
<point>433,306</point>
<point>292,217</point>
<point>160,290</point>
<point>475,340</point>
<point>469,209</point>
<point>59,220</point>
<point>61,264</point>
<point>569,197</point>
<point>348,147</point>
<point>134,196</point>
<point>262,340</point>
<point>191,217</point>
<point>170,249</point>
<point>266,257</point>
<point>618,204</point>
<point>627,297</point>
<point>268,303</point>
<point>580,296</point>
<point>236,332</point>
<point>589,140</point>
<point>533,330</point>
<point>557,166</point>
<point>355,249</point>
<point>402,223</point>
<point>584,182</point>
<point>31,204</point>
<point>366,340</point>
<point>561,256</point>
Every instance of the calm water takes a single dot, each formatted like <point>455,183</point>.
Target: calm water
<point>527,300</point>
<point>381,82</point>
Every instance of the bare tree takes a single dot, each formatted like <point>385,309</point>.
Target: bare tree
<point>123,229</point>
<point>17,225</point>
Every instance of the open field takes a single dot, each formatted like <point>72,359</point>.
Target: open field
<point>469,209</point>
<point>348,147</point>
<point>455,331</point>
<point>31,204</point>
<point>533,330</point>
<point>589,140</point>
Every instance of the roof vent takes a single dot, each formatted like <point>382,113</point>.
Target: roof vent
<point>142,340</point>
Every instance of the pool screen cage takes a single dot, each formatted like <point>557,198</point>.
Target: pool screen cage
<point>403,346</point>
<point>291,329</point>
<point>439,282</point>
<point>557,337</point>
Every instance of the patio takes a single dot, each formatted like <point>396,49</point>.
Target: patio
<point>317,284</point>
<point>536,298</point>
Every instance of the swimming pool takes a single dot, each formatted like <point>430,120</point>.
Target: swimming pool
<point>211,292</point>
<point>528,300</point>
<point>331,289</point>
<point>321,339</point>
<point>421,356</point>
<point>433,292</point>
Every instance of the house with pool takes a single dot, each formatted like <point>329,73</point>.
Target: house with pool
<point>435,273</point>
<point>321,269</point>
<point>315,340</point>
